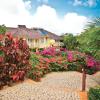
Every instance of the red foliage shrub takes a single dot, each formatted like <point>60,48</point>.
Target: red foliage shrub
<point>15,60</point>
<point>98,65</point>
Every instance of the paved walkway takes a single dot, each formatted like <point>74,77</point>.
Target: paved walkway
<point>54,86</point>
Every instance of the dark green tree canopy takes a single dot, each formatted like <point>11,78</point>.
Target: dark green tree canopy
<point>70,41</point>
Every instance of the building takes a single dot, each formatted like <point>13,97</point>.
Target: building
<point>35,37</point>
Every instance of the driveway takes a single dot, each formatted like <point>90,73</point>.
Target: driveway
<point>54,86</point>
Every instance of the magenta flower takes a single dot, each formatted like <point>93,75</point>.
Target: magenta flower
<point>49,51</point>
<point>63,49</point>
<point>70,56</point>
<point>90,62</point>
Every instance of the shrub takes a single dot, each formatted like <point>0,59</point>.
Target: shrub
<point>63,54</point>
<point>98,65</point>
<point>14,63</point>
<point>55,67</point>
<point>72,67</point>
<point>40,49</point>
<point>94,93</point>
<point>42,65</point>
<point>51,59</point>
<point>34,59</point>
<point>33,72</point>
<point>33,50</point>
<point>91,71</point>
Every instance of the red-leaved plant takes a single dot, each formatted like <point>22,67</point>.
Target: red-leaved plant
<point>14,63</point>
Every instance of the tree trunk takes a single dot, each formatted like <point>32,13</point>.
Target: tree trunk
<point>84,80</point>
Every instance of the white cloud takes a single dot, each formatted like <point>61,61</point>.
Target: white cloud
<point>46,17</point>
<point>16,12</point>
<point>89,3</point>
<point>28,5</point>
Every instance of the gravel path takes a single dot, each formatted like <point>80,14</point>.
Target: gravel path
<point>55,86</point>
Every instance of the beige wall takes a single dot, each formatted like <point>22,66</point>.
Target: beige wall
<point>42,42</point>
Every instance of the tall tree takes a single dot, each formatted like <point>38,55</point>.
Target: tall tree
<point>97,22</point>
<point>94,23</point>
<point>90,38</point>
<point>70,42</point>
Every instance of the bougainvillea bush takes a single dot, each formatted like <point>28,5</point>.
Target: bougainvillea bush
<point>14,61</point>
<point>82,60</point>
<point>50,60</point>
<point>42,65</point>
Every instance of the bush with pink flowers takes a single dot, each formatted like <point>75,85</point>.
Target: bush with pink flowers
<point>42,65</point>
<point>51,59</point>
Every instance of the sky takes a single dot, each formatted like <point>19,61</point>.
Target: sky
<point>57,16</point>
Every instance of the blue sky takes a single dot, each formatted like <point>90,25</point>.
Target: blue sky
<point>57,16</point>
<point>64,6</point>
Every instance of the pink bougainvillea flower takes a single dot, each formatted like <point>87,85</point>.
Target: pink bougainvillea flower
<point>49,51</point>
<point>90,61</point>
<point>70,56</point>
<point>63,49</point>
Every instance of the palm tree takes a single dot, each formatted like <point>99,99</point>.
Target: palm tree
<point>94,23</point>
<point>97,22</point>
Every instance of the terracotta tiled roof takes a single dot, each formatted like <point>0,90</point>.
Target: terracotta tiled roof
<point>54,36</point>
<point>35,33</point>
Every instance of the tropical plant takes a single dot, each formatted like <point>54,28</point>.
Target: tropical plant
<point>14,63</point>
<point>70,42</point>
<point>90,39</point>
<point>94,93</point>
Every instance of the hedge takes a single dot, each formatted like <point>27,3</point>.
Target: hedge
<point>94,93</point>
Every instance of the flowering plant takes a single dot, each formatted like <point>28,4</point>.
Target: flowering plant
<point>51,51</point>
